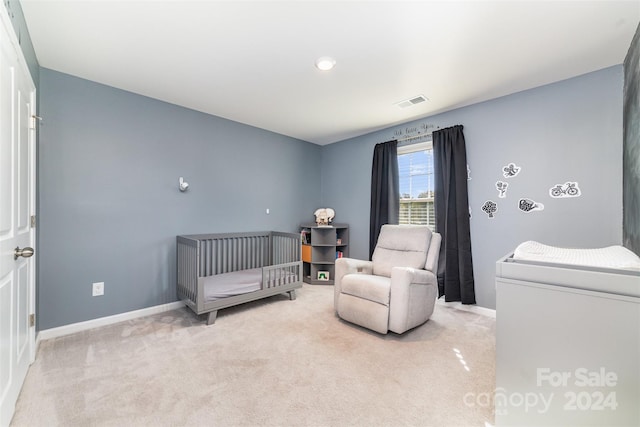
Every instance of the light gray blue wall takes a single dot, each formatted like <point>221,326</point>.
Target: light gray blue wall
<point>109,162</point>
<point>567,131</point>
<point>109,205</point>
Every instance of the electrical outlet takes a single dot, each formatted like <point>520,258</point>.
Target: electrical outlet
<point>98,289</point>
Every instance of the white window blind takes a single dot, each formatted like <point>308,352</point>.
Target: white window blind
<point>415,168</point>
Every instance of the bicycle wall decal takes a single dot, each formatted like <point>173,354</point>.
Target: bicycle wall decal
<point>568,189</point>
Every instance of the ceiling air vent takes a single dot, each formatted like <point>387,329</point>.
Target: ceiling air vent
<point>412,101</point>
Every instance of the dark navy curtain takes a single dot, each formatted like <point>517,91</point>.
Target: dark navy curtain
<point>455,266</point>
<point>385,190</point>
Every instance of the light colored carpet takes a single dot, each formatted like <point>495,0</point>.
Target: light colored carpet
<point>268,363</point>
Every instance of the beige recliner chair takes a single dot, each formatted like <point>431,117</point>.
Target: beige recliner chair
<point>397,290</point>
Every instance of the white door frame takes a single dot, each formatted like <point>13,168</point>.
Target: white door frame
<point>33,127</point>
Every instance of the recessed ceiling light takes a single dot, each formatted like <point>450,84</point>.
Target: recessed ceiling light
<point>325,63</point>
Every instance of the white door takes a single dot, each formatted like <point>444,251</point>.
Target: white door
<point>17,205</point>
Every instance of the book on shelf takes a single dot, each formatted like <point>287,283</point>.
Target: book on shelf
<point>339,254</point>
<point>305,237</point>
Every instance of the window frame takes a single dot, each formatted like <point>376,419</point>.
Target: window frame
<point>412,148</point>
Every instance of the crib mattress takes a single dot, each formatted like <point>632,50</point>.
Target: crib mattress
<point>230,284</point>
<point>240,282</point>
<point>614,257</point>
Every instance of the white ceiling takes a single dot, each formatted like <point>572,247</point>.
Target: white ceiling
<point>253,61</point>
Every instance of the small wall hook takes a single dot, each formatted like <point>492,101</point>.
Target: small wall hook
<point>183,185</point>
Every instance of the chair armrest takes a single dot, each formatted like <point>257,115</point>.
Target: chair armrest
<point>412,299</point>
<point>344,266</point>
<point>408,275</point>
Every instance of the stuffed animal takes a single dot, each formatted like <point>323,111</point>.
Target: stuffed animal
<point>324,216</point>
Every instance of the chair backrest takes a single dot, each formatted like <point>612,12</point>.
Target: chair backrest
<point>401,246</point>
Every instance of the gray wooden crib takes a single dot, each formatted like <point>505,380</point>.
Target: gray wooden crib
<point>217,271</point>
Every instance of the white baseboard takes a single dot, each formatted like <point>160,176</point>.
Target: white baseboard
<point>469,307</point>
<point>47,334</point>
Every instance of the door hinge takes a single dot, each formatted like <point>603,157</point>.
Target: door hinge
<point>34,121</point>
<point>32,320</point>
<point>33,221</point>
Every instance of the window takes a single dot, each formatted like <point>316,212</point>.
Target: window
<point>415,167</point>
